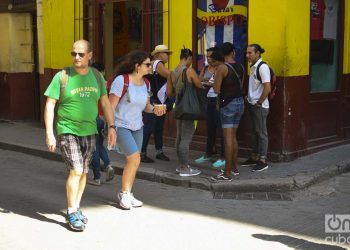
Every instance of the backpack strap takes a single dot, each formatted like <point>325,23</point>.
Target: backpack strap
<point>63,82</point>
<point>126,85</point>
<point>239,79</point>
<point>98,77</point>
<point>147,83</point>
<point>258,76</point>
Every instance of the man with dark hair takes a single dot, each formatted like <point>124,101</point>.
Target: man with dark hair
<point>258,106</point>
<point>76,90</point>
<point>228,51</point>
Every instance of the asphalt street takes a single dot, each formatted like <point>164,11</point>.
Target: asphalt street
<point>33,205</point>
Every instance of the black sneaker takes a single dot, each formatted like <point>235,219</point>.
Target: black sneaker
<point>221,178</point>
<point>146,159</point>
<point>260,166</point>
<point>162,157</point>
<point>249,162</point>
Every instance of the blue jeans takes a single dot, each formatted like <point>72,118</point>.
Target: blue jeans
<point>100,152</point>
<point>153,125</point>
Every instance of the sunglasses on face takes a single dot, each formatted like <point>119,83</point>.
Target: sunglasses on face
<point>74,54</point>
<point>147,64</point>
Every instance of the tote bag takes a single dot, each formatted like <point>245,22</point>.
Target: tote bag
<point>191,104</point>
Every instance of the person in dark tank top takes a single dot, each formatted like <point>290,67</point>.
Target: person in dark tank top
<point>227,84</point>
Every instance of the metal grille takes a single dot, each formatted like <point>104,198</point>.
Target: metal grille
<point>155,13</point>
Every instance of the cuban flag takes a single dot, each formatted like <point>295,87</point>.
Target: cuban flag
<point>220,21</point>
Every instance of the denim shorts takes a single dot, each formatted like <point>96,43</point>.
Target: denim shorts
<point>128,141</point>
<point>231,114</point>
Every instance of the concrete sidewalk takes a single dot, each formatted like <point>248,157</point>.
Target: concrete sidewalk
<point>29,138</point>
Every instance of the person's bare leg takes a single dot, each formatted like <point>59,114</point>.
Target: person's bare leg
<point>72,188</point>
<point>228,150</point>
<point>82,184</point>
<point>129,173</point>
<point>234,150</point>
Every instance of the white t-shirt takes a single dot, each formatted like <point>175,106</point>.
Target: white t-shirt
<point>255,86</point>
<point>128,113</point>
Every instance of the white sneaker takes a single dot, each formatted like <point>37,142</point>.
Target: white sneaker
<point>124,200</point>
<point>95,182</point>
<point>109,173</point>
<point>189,171</point>
<point>135,202</point>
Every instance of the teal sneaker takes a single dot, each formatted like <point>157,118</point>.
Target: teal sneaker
<point>219,163</point>
<point>202,159</point>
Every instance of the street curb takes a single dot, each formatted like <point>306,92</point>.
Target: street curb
<point>287,184</point>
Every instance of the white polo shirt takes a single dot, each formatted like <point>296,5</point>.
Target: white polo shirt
<point>255,86</point>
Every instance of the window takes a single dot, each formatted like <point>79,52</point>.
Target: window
<point>324,45</point>
<point>220,21</point>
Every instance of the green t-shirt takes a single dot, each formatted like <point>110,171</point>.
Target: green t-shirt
<point>77,111</point>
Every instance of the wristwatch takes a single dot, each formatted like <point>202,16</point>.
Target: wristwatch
<point>113,126</point>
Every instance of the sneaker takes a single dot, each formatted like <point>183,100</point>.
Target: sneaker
<point>146,159</point>
<point>95,182</point>
<point>202,159</point>
<point>189,172</point>
<point>124,200</point>
<point>260,166</point>
<point>234,172</point>
<point>109,173</point>
<point>219,163</point>
<point>74,222</point>
<point>135,202</point>
<point>221,178</point>
<point>82,217</point>
<point>162,157</point>
<point>249,162</point>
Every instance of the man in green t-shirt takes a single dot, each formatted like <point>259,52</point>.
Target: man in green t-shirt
<point>76,124</point>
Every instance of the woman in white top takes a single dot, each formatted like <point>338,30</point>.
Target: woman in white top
<point>129,97</point>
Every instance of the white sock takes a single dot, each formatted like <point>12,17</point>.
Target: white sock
<point>72,210</point>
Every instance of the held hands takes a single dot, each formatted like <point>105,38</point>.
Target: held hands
<point>51,142</point>
<point>159,109</point>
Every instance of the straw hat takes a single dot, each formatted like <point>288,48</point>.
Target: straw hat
<point>161,48</point>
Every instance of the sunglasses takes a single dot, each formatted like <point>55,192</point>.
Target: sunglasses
<point>74,54</point>
<point>147,64</point>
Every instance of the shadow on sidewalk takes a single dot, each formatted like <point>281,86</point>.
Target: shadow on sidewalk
<point>296,243</point>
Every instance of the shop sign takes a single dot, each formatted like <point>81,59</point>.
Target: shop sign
<point>235,14</point>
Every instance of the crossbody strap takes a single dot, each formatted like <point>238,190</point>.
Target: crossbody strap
<point>239,79</point>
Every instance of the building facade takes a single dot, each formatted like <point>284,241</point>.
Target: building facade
<point>306,42</point>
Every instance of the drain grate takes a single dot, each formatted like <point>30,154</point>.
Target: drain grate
<point>261,196</point>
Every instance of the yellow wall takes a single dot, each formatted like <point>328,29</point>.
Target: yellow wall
<point>347,39</point>
<point>62,25</point>
<point>287,41</point>
<point>180,28</point>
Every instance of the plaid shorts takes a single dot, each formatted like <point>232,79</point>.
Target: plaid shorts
<point>77,151</point>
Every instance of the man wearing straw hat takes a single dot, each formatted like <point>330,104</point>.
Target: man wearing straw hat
<point>152,123</point>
